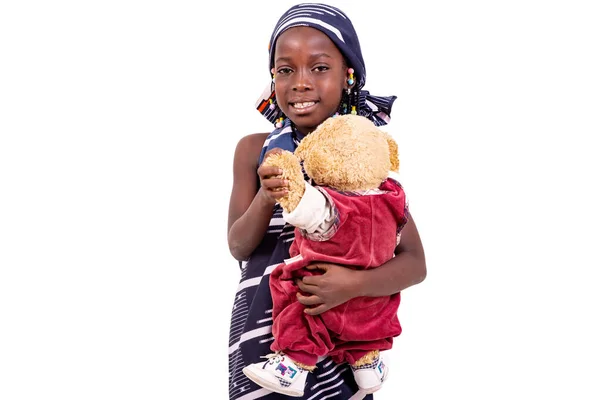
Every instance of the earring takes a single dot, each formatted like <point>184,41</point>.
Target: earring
<point>279,123</point>
<point>349,91</point>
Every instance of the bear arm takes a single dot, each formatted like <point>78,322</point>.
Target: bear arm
<point>292,172</point>
<point>315,214</point>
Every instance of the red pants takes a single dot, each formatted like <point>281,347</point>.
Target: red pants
<point>346,332</point>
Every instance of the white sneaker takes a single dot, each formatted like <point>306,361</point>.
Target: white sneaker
<point>278,374</point>
<point>370,377</point>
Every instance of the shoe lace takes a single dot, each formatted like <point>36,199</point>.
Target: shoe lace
<point>274,357</point>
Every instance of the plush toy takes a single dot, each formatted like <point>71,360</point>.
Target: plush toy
<point>351,217</point>
<point>346,153</point>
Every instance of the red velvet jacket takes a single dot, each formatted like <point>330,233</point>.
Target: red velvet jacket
<point>366,230</point>
<point>365,237</point>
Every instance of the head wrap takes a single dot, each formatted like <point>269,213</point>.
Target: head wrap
<point>338,27</point>
<point>332,22</point>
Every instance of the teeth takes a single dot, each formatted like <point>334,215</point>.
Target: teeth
<point>304,105</point>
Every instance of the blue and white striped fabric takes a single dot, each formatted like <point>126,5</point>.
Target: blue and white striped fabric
<point>284,138</point>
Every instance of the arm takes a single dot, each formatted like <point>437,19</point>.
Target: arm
<point>250,207</point>
<point>408,268</point>
<point>339,284</point>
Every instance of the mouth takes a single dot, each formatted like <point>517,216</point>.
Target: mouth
<point>303,107</point>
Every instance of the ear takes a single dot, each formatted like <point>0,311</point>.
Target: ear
<point>394,159</point>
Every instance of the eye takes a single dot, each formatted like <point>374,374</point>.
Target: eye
<point>284,71</point>
<point>321,68</point>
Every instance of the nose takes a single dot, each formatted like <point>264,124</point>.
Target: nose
<point>302,81</point>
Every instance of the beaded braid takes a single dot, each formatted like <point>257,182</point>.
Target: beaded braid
<point>349,103</point>
<point>277,113</point>
<point>350,96</point>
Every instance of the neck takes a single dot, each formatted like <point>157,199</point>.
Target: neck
<point>299,132</point>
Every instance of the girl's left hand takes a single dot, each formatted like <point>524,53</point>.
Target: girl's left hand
<point>335,286</point>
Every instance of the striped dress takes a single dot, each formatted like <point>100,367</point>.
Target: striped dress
<point>251,320</point>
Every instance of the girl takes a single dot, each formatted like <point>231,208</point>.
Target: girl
<point>318,70</point>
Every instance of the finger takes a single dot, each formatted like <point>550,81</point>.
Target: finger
<point>278,194</point>
<point>269,154</point>
<point>322,267</point>
<point>266,171</point>
<point>275,183</point>
<point>316,310</point>
<point>310,289</point>
<point>314,280</point>
<point>309,300</point>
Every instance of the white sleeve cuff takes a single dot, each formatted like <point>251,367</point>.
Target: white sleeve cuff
<point>311,212</point>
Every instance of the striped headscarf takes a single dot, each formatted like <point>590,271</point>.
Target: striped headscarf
<point>332,22</point>
<point>338,27</point>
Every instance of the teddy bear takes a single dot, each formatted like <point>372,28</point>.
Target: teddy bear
<point>347,153</point>
<point>352,216</point>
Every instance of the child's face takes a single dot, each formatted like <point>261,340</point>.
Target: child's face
<point>310,75</point>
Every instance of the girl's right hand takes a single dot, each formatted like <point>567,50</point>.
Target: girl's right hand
<point>272,185</point>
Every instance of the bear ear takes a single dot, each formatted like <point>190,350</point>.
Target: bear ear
<point>394,160</point>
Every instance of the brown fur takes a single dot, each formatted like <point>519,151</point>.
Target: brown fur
<point>394,159</point>
<point>348,153</point>
<point>292,171</point>
<point>310,368</point>
<point>367,358</point>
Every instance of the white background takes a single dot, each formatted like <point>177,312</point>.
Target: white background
<point>118,122</point>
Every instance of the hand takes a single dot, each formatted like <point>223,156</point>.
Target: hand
<point>273,187</point>
<point>335,286</point>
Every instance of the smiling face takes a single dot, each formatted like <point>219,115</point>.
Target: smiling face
<point>310,75</point>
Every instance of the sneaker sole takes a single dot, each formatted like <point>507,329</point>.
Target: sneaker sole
<point>268,385</point>
<point>375,388</point>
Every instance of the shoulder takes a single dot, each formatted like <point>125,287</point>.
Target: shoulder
<point>249,147</point>
<point>253,140</point>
